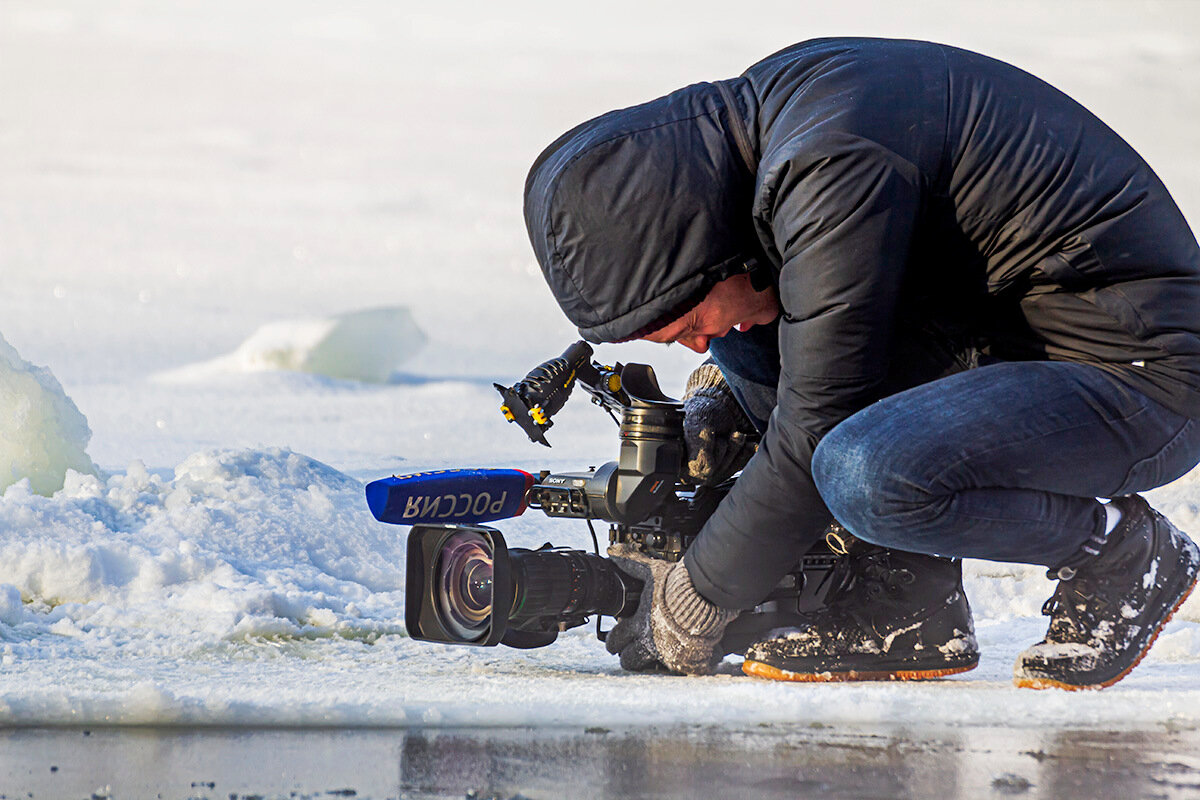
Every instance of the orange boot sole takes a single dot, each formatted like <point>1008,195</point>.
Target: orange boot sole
<point>757,669</point>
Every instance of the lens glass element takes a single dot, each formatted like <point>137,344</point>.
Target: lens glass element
<point>464,584</point>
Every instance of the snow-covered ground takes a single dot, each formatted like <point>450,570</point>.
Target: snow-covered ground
<point>193,192</point>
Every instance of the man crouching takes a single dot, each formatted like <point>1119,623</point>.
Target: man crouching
<point>958,308</point>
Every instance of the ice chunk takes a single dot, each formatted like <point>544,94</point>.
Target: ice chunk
<point>42,433</point>
<point>359,345</point>
<point>368,345</point>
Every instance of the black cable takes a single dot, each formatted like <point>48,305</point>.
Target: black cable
<point>596,546</point>
<point>595,541</point>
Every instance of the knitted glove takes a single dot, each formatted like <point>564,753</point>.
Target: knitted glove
<point>718,435</point>
<point>674,627</point>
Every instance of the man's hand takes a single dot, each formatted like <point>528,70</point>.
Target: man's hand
<point>718,435</point>
<point>674,627</point>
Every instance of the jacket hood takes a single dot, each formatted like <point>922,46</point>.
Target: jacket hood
<point>635,212</point>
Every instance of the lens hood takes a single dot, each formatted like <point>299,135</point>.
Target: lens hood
<point>428,601</point>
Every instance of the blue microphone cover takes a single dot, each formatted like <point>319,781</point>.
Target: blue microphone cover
<point>449,496</point>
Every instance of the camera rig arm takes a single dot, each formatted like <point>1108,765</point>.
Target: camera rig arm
<point>532,401</point>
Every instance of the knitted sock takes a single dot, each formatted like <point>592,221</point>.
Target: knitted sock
<point>1112,515</point>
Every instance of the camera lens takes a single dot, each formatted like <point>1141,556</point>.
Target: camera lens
<point>464,588</point>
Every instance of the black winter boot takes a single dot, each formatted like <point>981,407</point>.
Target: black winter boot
<point>1108,610</point>
<point>890,615</point>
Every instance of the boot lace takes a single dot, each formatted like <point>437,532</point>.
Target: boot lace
<point>859,583</point>
<point>1078,605</point>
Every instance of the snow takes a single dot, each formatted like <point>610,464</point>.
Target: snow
<point>205,205</point>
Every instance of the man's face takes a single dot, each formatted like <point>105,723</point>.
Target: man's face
<point>730,304</point>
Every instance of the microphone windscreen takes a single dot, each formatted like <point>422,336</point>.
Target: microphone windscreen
<point>449,496</point>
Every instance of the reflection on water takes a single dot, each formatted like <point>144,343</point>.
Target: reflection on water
<point>803,762</point>
<point>766,762</point>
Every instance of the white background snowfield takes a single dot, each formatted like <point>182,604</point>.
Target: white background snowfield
<point>272,251</point>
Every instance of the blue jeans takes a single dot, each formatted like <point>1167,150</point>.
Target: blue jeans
<point>1003,462</point>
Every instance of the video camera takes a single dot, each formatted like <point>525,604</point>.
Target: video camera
<point>466,586</point>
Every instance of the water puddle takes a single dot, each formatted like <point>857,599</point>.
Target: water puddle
<point>537,763</point>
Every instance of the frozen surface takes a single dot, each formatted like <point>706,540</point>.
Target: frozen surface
<point>177,177</point>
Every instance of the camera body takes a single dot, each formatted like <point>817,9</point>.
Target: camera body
<point>466,586</point>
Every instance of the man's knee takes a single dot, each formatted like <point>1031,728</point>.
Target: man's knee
<point>873,489</point>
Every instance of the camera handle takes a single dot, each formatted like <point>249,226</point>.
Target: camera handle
<point>533,400</point>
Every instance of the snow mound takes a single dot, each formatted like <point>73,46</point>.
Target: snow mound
<point>238,545</point>
<point>42,433</point>
<point>368,345</point>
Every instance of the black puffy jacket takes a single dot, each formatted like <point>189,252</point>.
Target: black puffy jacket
<point>882,181</point>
